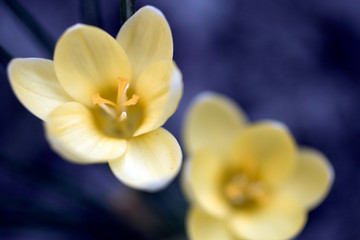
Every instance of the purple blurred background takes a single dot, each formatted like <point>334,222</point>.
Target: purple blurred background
<point>293,61</point>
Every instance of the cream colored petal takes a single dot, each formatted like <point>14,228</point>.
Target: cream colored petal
<point>271,147</point>
<point>212,121</point>
<point>146,38</point>
<point>312,179</point>
<point>185,181</point>
<point>72,133</point>
<point>282,218</point>
<point>160,89</point>
<point>205,181</point>
<point>88,61</point>
<point>201,226</point>
<point>36,86</point>
<point>151,161</point>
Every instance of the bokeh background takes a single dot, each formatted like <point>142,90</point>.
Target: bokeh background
<point>293,61</point>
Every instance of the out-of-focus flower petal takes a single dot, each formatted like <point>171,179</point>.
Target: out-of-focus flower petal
<point>185,181</point>
<point>87,61</point>
<point>273,149</point>
<point>281,218</point>
<point>205,182</point>
<point>212,122</point>
<point>202,226</point>
<point>312,179</point>
<point>151,161</point>
<point>146,38</point>
<point>160,89</point>
<point>35,84</point>
<point>73,133</point>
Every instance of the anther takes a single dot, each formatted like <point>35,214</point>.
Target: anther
<point>132,101</point>
<point>97,99</point>
<point>123,85</point>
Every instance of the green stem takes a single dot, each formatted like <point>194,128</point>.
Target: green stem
<point>90,12</point>
<point>127,9</point>
<point>5,57</point>
<point>25,17</point>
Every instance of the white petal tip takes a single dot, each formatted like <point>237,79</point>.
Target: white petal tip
<point>151,8</point>
<point>75,27</point>
<point>274,123</point>
<point>208,95</point>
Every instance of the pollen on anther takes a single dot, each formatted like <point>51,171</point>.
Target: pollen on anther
<point>132,101</point>
<point>123,85</point>
<point>97,99</point>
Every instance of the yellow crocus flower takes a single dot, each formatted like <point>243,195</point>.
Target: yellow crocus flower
<point>247,181</point>
<point>105,100</point>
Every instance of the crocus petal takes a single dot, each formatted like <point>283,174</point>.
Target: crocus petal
<point>312,179</point>
<point>160,90</point>
<point>151,161</point>
<point>88,61</point>
<point>146,38</point>
<point>73,134</point>
<point>281,218</point>
<point>185,181</point>
<point>201,226</point>
<point>205,180</point>
<point>271,147</point>
<point>36,85</point>
<point>212,121</point>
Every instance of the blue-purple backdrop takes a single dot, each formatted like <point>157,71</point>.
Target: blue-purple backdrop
<point>293,61</point>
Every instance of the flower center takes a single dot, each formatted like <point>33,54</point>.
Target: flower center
<point>240,191</point>
<point>117,110</point>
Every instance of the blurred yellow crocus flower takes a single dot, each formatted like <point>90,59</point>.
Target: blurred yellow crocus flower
<point>105,100</point>
<point>247,181</point>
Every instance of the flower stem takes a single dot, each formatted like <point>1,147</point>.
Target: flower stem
<point>90,12</point>
<point>5,57</point>
<point>38,31</point>
<point>127,9</point>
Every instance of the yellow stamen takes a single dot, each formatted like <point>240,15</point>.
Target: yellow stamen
<point>258,192</point>
<point>117,110</point>
<point>123,86</point>
<point>132,101</point>
<point>96,99</point>
<point>235,189</point>
<point>240,190</point>
<point>234,194</point>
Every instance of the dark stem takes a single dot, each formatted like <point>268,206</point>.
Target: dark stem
<point>25,17</point>
<point>5,57</point>
<point>127,9</point>
<point>90,12</point>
